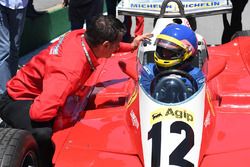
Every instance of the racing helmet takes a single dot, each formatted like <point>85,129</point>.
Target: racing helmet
<point>175,44</point>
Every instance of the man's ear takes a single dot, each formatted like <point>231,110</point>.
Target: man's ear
<point>106,44</point>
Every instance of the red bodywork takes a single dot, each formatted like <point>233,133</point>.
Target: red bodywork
<point>107,133</point>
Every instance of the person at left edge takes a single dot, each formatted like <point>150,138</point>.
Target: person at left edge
<point>12,19</point>
<point>42,86</point>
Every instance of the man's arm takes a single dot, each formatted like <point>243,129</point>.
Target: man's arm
<point>56,88</point>
<point>126,47</point>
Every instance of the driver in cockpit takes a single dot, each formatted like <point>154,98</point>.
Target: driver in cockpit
<point>176,46</point>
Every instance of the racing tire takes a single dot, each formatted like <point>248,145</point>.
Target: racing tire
<point>18,148</point>
<point>241,33</point>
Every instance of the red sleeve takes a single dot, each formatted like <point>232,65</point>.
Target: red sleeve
<point>64,71</point>
<point>57,85</point>
<point>125,47</point>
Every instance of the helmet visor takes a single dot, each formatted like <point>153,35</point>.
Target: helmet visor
<point>168,50</point>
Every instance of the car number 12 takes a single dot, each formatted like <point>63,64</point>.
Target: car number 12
<point>177,156</point>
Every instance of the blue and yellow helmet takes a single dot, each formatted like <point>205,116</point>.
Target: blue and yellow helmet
<point>175,44</point>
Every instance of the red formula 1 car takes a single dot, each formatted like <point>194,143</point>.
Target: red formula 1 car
<point>117,123</point>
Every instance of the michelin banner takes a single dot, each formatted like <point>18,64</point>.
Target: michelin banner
<point>189,5</point>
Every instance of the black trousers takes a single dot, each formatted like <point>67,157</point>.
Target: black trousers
<point>111,6</point>
<point>16,114</point>
<point>238,8</point>
<point>236,20</point>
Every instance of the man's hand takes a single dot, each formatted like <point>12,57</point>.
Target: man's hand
<point>65,3</point>
<point>139,38</point>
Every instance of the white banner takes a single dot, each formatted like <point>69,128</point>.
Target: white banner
<point>190,6</point>
<point>156,4</point>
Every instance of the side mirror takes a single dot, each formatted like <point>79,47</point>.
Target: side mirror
<point>215,66</point>
<point>129,68</point>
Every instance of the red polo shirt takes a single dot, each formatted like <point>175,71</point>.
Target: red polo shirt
<point>53,74</point>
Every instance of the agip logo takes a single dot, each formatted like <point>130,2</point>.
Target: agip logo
<point>172,137</point>
<point>172,113</point>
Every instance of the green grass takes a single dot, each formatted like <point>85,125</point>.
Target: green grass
<point>43,29</point>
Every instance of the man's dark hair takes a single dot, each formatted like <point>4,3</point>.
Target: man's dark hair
<point>104,28</point>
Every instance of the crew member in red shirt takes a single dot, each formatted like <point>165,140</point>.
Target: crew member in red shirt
<point>42,86</point>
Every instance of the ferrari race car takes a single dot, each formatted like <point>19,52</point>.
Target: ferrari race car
<point>113,121</point>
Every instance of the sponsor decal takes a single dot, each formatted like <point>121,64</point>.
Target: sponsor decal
<point>209,99</point>
<point>134,119</point>
<point>132,98</point>
<point>55,49</point>
<point>207,121</point>
<point>177,114</point>
<point>187,5</point>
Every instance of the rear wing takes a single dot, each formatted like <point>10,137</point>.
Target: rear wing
<point>173,8</point>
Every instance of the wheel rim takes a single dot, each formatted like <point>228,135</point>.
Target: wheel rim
<point>30,160</point>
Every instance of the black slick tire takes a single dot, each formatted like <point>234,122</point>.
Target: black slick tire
<point>18,148</point>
